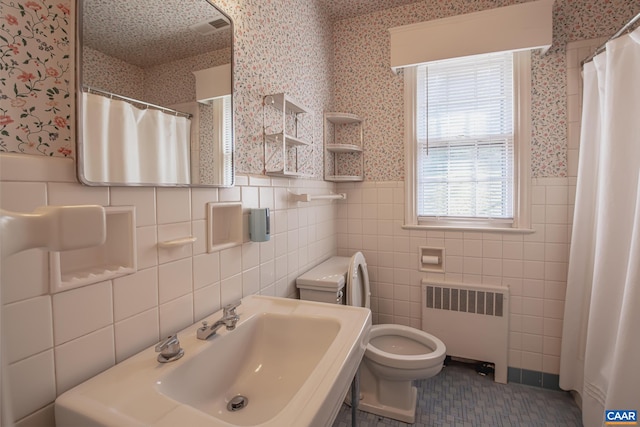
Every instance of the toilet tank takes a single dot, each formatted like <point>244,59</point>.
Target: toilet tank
<point>325,282</point>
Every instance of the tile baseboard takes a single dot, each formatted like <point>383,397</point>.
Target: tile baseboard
<point>534,378</point>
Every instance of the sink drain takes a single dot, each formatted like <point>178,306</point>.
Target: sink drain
<point>237,403</point>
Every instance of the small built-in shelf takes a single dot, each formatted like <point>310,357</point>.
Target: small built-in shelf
<point>343,147</point>
<point>114,258</point>
<point>224,226</point>
<point>431,259</point>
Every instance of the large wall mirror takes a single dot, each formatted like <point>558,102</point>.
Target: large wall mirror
<point>155,85</point>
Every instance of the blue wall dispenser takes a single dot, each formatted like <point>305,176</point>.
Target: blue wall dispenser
<point>259,225</point>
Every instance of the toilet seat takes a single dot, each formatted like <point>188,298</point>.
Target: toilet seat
<point>358,289</point>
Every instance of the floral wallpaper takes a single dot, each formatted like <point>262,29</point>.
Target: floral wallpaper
<point>174,82</point>
<point>111,74</point>
<point>37,76</point>
<point>166,84</point>
<point>271,56</point>
<point>338,66</point>
<point>366,86</point>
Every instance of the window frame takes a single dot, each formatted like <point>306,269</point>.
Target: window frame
<point>522,157</point>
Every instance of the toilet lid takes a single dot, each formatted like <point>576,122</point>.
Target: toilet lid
<point>358,291</point>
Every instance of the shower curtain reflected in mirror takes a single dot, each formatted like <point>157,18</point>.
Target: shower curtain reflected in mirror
<point>123,143</point>
<point>601,338</point>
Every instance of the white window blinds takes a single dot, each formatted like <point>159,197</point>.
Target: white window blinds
<point>465,136</point>
<point>223,139</point>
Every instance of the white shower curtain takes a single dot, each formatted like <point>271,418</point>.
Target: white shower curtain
<point>123,143</point>
<point>600,355</point>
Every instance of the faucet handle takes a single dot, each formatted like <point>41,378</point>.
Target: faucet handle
<point>169,349</point>
<point>230,309</point>
<point>166,343</point>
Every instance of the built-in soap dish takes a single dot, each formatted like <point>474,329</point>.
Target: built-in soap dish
<point>431,259</point>
<point>224,226</point>
<point>114,258</point>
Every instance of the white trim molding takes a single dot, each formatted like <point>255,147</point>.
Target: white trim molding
<point>523,26</point>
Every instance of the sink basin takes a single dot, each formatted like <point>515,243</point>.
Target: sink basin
<point>292,361</point>
<point>270,352</point>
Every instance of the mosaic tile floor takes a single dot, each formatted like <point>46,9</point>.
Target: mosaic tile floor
<point>458,396</point>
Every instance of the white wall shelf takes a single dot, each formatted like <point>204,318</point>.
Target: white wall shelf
<point>343,147</point>
<point>288,174</point>
<point>287,128</point>
<point>289,140</point>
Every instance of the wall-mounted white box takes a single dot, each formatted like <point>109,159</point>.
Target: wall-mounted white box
<point>224,225</point>
<point>114,258</point>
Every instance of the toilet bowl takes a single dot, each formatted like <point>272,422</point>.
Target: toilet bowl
<point>401,352</point>
<point>396,354</point>
<point>395,357</point>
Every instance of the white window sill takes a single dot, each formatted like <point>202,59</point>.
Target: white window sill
<point>509,230</point>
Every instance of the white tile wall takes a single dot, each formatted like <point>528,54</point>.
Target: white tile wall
<point>134,332</point>
<point>55,342</point>
<point>32,382</point>
<point>81,311</point>
<point>83,358</point>
<point>110,321</point>
<point>534,266</point>
<point>31,314</point>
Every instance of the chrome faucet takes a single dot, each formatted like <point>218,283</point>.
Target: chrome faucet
<point>169,349</point>
<point>229,319</point>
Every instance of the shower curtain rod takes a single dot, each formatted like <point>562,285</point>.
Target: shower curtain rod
<point>136,101</point>
<point>603,46</point>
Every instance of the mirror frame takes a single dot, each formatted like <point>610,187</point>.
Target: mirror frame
<point>78,85</point>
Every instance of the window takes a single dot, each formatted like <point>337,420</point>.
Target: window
<point>468,141</point>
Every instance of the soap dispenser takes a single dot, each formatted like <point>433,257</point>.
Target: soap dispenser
<point>259,225</point>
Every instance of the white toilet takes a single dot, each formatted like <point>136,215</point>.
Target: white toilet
<point>395,356</point>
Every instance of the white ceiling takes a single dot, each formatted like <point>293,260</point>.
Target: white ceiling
<point>133,30</point>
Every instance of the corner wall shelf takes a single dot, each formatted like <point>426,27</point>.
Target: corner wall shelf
<point>343,147</point>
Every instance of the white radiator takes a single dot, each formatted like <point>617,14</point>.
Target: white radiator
<point>472,321</point>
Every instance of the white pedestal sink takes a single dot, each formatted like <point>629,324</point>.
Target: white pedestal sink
<point>292,360</point>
